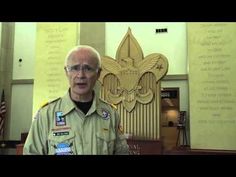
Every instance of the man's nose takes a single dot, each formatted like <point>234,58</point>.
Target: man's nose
<point>80,73</point>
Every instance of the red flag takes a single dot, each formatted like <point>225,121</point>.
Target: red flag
<point>2,113</point>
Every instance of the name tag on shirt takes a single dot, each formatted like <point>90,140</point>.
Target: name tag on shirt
<point>60,133</point>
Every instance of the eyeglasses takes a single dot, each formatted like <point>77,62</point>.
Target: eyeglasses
<point>79,68</point>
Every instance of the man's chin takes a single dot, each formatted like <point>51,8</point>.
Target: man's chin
<point>81,91</point>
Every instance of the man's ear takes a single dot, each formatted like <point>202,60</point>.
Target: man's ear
<point>66,71</point>
<point>99,72</point>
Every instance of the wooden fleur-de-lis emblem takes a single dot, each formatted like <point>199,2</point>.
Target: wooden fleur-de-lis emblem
<point>129,67</point>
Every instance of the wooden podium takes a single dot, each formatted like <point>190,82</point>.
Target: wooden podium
<point>144,147</point>
<point>19,149</point>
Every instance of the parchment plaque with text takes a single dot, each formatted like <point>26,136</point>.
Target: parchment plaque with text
<point>53,41</point>
<point>212,82</point>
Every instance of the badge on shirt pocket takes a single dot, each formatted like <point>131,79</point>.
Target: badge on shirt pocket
<point>60,120</point>
<point>105,114</point>
<point>61,144</point>
<point>63,149</point>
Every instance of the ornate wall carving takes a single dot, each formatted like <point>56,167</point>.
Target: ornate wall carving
<point>131,82</point>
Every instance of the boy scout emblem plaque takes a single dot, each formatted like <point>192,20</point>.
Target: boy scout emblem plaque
<point>60,121</point>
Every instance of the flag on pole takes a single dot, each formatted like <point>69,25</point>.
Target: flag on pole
<point>2,113</point>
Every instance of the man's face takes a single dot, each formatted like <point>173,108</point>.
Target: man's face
<point>82,74</point>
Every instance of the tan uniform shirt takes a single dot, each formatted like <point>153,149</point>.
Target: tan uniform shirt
<point>60,128</point>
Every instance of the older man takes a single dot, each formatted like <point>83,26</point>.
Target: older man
<point>78,122</point>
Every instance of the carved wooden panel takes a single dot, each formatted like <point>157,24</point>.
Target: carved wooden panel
<point>131,82</point>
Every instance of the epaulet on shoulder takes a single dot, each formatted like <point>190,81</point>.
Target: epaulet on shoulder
<point>48,102</point>
<point>112,105</point>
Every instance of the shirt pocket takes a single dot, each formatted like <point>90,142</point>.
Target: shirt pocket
<point>61,144</point>
<point>105,143</point>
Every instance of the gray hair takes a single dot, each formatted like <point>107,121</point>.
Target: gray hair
<point>94,52</point>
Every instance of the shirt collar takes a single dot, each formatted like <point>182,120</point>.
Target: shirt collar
<point>67,104</point>
<point>101,108</point>
<point>96,105</point>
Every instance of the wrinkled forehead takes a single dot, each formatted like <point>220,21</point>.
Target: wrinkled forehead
<point>82,57</point>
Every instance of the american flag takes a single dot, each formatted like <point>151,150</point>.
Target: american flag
<point>2,113</point>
